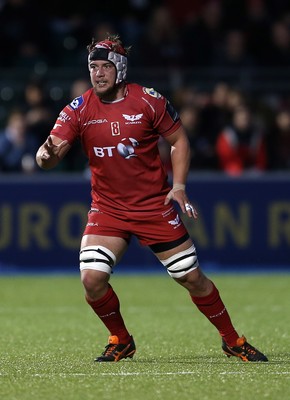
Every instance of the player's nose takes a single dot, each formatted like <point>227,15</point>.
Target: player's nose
<point>100,71</point>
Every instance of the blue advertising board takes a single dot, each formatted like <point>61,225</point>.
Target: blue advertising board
<point>243,223</point>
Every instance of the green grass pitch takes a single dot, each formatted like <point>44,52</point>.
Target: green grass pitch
<point>49,338</point>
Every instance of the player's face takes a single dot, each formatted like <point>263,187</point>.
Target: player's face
<point>103,77</point>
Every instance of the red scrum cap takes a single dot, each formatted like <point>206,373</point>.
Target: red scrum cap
<point>112,46</point>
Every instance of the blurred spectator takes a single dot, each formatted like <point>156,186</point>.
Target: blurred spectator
<point>30,57</point>
<point>159,45</point>
<point>24,32</point>
<point>202,34</point>
<point>278,54</point>
<point>68,33</point>
<point>78,87</point>
<point>257,29</point>
<point>189,116</point>
<point>184,11</point>
<point>186,95</point>
<point>101,29</point>
<point>17,146</point>
<point>213,117</point>
<point>234,52</point>
<point>240,146</point>
<point>279,142</point>
<point>134,19</point>
<point>234,98</point>
<point>39,110</point>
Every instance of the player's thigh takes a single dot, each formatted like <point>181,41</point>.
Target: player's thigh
<point>163,255</point>
<point>116,245</point>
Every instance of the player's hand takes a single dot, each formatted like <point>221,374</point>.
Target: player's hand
<point>49,149</point>
<point>181,198</point>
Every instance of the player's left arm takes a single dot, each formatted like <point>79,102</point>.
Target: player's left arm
<point>180,159</point>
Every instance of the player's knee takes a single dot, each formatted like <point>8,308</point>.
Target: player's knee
<point>94,282</point>
<point>181,263</point>
<point>97,258</point>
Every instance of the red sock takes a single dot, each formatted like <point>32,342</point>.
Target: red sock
<point>214,309</point>
<point>108,310</point>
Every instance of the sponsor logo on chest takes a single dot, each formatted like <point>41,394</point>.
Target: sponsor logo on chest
<point>96,121</point>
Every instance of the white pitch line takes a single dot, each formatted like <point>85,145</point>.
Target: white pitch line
<point>140,374</point>
<point>179,373</point>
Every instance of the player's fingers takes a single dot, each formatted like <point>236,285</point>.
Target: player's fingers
<point>191,211</point>
<point>169,197</point>
<point>49,141</point>
<point>167,200</point>
<point>44,155</point>
<point>62,144</point>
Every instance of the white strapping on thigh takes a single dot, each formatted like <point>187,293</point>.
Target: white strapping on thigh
<point>181,263</point>
<point>98,258</point>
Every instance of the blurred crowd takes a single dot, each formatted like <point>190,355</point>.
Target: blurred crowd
<point>229,129</point>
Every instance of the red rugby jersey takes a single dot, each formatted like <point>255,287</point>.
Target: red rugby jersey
<point>120,140</point>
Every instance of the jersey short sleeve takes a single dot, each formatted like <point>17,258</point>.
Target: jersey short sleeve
<point>165,118</point>
<point>67,125</point>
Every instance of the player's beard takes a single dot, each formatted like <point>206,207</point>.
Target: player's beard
<point>108,94</point>
<point>115,92</point>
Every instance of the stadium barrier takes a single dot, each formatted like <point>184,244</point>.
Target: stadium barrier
<point>243,223</point>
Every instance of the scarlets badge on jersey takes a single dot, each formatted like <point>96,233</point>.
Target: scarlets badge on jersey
<point>152,92</point>
<point>76,103</point>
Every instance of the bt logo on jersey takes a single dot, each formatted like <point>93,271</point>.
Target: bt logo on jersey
<point>126,149</point>
<point>104,151</point>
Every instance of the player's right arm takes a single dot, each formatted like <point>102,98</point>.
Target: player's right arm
<point>51,152</point>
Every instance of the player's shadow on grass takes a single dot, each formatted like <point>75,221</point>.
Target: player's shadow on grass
<point>275,359</point>
<point>181,359</point>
